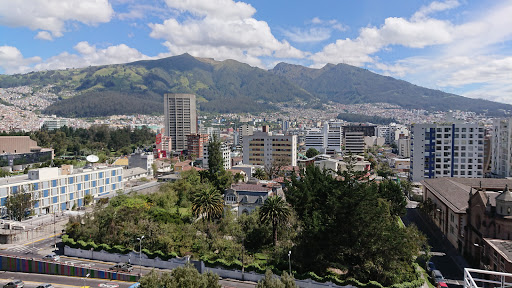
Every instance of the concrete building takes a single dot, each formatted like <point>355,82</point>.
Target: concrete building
<point>56,189</point>
<point>16,152</point>
<point>180,118</point>
<point>447,150</point>
<point>404,147</point>
<point>367,130</point>
<point>353,142</point>
<point>141,160</point>
<point>244,130</point>
<point>226,156</point>
<point>165,144</point>
<point>326,140</point>
<point>501,163</point>
<point>267,149</point>
<point>54,123</point>
<point>370,141</point>
<point>196,143</point>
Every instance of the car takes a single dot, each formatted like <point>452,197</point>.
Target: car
<point>442,285</point>
<point>437,276</point>
<point>124,267</point>
<point>15,284</point>
<point>430,267</point>
<point>52,257</point>
<point>46,285</point>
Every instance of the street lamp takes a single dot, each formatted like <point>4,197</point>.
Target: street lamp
<point>86,276</point>
<point>140,253</point>
<point>289,261</point>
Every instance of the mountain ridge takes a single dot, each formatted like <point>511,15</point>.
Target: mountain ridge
<point>140,87</point>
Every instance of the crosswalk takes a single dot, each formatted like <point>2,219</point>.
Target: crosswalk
<point>22,249</point>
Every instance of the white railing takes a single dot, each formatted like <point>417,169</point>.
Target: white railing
<point>476,278</point>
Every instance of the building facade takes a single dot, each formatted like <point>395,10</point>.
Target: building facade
<point>404,147</point>
<point>226,156</point>
<point>56,189</point>
<point>180,118</point>
<point>353,142</point>
<point>447,150</point>
<point>501,148</point>
<point>267,149</point>
<point>196,143</point>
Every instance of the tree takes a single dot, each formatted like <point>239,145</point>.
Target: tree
<point>259,174</point>
<point>215,160</point>
<point>275,210</point>
<point>88,199</point>
<point>270,281</point>
<point>312,152</point>
<point>182,277</point>
<point>207,203</point>
<point>19,205</point>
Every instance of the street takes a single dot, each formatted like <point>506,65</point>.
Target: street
<point>444,255</point>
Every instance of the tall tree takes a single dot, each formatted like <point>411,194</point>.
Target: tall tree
<point>207,203</point>
<point>259,174</point>
<point>312,152</point>
<point>215,160</point>
<point>19,205</point>
<point>275,210</point>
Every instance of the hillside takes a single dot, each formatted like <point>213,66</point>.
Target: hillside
<point>347,84</point>
<point>138,87</point>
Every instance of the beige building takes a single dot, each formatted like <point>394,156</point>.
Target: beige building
<point>180,118</point>
<point>18,145</point>
<point>268,149</point>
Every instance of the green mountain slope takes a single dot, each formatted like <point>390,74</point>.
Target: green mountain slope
<point>351,85</point>
<point>228,86</point>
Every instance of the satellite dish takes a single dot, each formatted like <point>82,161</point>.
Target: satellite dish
<point>92,158</point>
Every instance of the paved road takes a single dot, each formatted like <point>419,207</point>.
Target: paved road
<point>444,256</point>
<point>33,280</point>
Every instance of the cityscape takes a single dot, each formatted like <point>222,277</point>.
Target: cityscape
<point>229,144</point>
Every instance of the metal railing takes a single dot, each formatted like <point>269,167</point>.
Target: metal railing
<point>476,278</point>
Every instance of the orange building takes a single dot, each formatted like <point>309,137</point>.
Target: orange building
<point>195,144</point>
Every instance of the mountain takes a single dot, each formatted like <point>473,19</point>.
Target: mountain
<point>228,86</point>
<point>347,84</point>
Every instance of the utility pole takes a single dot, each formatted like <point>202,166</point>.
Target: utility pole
<point>54,233</point>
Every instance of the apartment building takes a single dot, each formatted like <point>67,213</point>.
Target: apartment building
<point>180,118</point>
<point>226,155</point>
<point>353,142</point>
<point>196,144</point>
<point>327,140</point>
<point>404,147</point>
<point>447,150</point>
<point>265,149</point>
<point>58,189</point>
<point>501,148</point>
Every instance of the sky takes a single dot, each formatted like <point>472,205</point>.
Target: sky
<point>457,46</point>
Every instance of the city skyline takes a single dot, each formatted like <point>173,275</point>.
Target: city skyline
<point>461,47</point>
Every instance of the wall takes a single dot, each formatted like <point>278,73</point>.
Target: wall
<point>29,265</point>
<point>134,259</point>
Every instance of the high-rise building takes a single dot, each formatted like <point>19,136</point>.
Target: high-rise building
<point>54,123</point>
<point>244,130</point>
<point>354,142</point>
<point>226,156</point>
<point>180,118</point>
<point>404,147</point>
<point>267,149</point>
<point>447,150</point>
<point>502,148</point>
<point>327,140</point>
<point>195,144</point>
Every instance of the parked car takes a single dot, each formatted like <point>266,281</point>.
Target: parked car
<point>437,276</point>
<point>442,285</point>
<point>52,257</point>
<point>430,267</point>
<point>15,284</point>
<point>46,285</point>
<point>125,267</point>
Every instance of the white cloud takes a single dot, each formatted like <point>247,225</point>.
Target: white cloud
<point>310,35</point>
<point>12,61</point>
<point>222,29</point>
<point>435,6</point>
<point>44,35</point>
<point>89,55</point>
<point>52,15</point>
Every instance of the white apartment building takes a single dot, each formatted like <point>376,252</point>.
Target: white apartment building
<point>226,156</point>
<point>265,148</point>
<point>327,140</point>
<point>447,150</point>
<point>56,189</point>
<point>404,147</point>
<point>54,123</point>
<point>502,148</point>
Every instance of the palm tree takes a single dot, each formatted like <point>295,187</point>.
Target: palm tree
<point>274,210</point>
<point>259,173</point>
<point>208,203</point>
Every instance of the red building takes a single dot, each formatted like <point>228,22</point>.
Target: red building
<point>195,143</point>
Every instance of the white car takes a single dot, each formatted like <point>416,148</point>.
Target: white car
<point>52,257</point>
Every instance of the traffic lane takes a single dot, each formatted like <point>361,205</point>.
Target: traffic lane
<point>33,280</point>
<point>440,257</point>
<point>227,283</point>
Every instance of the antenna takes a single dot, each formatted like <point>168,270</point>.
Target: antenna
<point>92,158</point>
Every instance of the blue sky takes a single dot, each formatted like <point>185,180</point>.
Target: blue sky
<point>458,46</point>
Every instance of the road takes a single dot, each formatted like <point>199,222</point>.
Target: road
<point>33,280</point>
<point>443,254</point>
